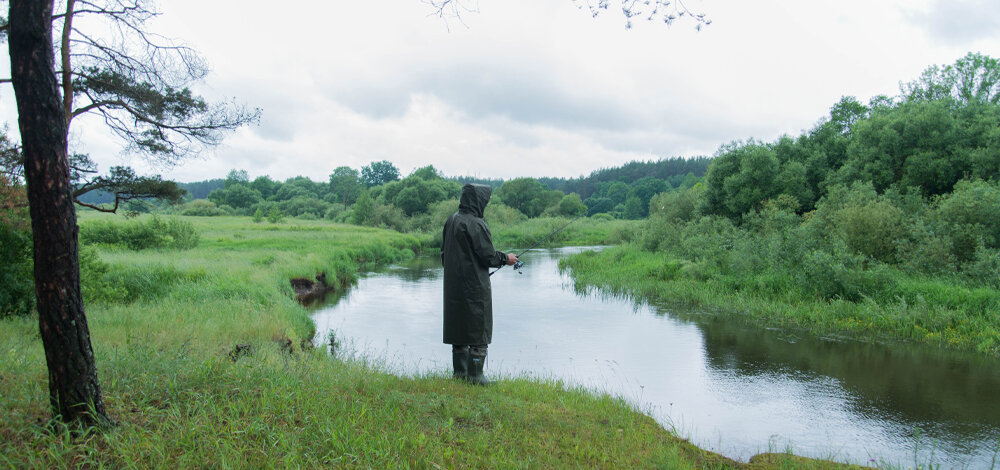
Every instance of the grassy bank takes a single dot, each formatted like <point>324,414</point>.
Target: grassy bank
<point>165,324</point>
<point>909,308</point>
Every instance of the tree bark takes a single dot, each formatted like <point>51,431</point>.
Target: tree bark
<point>74,391</point>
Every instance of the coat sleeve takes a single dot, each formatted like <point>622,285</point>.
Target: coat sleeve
<point>444,239</point>
<point>482,247</point>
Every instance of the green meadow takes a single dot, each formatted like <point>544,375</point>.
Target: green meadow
<point>166,322</point>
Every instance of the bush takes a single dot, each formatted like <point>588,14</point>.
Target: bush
<point>274,215</point>
<point>94,284</point>
<point>389,216</point>
<point>872,229</point>
<point>985,269</point>
<point>17,289</point>
<point>201,207</point>
<point>138,235</point>
<point>333,212</point>
<point>970,217</point>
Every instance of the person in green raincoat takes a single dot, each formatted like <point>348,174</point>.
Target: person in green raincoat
<point>467,253</point>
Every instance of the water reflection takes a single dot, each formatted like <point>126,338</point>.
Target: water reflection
<point>729,388</point>
<point>910,389</point>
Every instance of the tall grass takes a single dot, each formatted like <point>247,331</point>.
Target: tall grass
<point>904,307</point>
<point>165,325</point>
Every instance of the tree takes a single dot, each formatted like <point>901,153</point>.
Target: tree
<point>364,210</point>
<point>121,181</point>
<point>345,183</point>
<point>265,186</point>
<point>137,82</point>
<point>973,79</point>
<point>379,173</point>
<point>236,177</point>
<point>665,11</point>
<point>520,193</point>
<point>74,390</point>
<point>571,205</point>
<point>740,178</point>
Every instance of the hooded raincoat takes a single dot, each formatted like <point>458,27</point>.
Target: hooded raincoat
<point>467,253</point>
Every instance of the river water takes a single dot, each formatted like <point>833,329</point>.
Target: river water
<point>729,388</point>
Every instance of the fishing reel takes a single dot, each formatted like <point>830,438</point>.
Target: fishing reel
<point>517,266</point>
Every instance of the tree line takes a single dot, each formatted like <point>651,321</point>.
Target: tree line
<point>895,200</point>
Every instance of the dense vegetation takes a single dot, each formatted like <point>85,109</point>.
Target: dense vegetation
<point>207,361</point>
<point>883,220</point>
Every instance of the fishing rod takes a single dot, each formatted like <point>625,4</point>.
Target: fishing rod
<point>517,266</point>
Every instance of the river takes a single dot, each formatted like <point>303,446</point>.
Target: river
<point>728,387</point>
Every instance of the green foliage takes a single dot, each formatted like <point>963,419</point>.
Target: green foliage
<point>121,184</point>
<point>974,206</point>
<point>390,217</point>
<point>415,193</point>
<point>236,195</point>
<point>301,205</point>
<point>258,216</point>
<point>521,194</point>
<point>433,220</point>
<point>137,235</point>
<point>599,205</point>
<point>95,285</point>
<point>345,183</point>
<point>571,206</point>
<point>973,79</point>
<point>676,205</point>
<point>675,172</point>
<point>740,179</point>
<point>17,289</point>
<point>274,215</point>
<point>201,207</point>
<point>379,173</point>
<point>265,186</point>
<point>364,210</point>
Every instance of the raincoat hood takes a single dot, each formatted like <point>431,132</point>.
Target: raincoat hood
<point>474,199</point>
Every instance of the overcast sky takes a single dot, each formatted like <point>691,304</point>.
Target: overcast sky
<point>535,87</point>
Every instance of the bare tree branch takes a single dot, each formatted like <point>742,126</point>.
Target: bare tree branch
<point>666,11</point>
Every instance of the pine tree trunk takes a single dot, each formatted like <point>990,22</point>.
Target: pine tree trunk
<point>74,391</point>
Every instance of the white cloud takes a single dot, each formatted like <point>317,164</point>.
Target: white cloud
<point>534,88</point>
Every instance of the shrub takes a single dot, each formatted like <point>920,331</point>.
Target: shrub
<point>138,235</point>
<point>274,215</point>
<point>389,216</point>
<point>872,229</point>
<point>94,284</point>
<point>970,216</point>
<point>201,207</point>
<point>17,289</point>
<point>333,212</point>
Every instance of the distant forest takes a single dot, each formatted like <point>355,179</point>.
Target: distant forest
<point>674,171</point>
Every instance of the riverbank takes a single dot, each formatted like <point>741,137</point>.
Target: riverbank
<point>926,311</point>
<point>206,360</point>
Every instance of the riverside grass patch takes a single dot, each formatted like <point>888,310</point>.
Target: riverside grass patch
<point>903,308</point>
<point>165,331</point>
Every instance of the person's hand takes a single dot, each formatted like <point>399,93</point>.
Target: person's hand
<point>511,259</point>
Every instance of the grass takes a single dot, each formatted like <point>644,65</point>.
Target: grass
<point>169,321</point>
<point>930,311</point>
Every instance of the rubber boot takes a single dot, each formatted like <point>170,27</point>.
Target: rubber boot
<point>460,361</point>
<point>477,361</point>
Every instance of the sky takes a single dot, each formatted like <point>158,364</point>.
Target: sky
<point>532,87</point>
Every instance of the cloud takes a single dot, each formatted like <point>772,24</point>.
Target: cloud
<point>959,22</point>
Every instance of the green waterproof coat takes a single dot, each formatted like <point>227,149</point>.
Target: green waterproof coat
<point>467,254</point>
